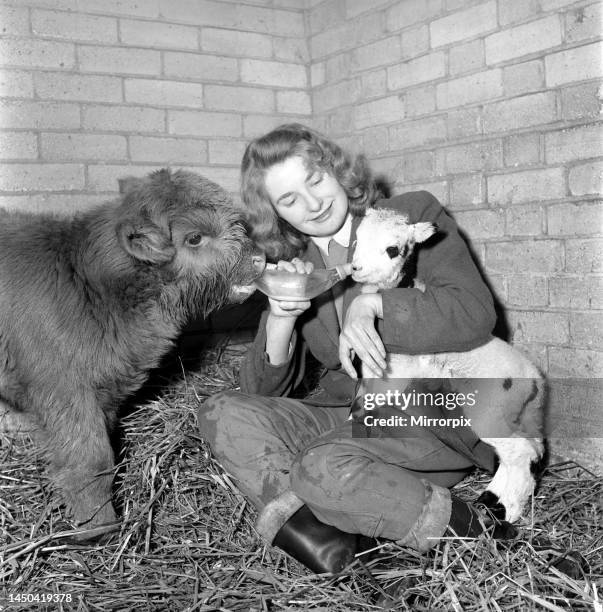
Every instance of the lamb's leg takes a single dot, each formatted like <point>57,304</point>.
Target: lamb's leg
<point>512,408</point>
<point>515,480</point>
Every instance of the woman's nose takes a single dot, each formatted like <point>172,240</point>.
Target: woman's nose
<point>314,201</point>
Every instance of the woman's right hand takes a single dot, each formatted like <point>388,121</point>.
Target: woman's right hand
<point>291,309</point>
<point>282,316</point>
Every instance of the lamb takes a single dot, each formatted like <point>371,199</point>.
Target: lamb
<point>89,305</point>
<point>506,379</point>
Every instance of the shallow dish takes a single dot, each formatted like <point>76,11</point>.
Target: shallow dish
<point>296,287</point>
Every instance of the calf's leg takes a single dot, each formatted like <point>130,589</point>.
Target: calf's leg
<point>81,463</point>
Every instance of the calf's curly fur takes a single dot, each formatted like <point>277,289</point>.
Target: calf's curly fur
<point>89,305</point>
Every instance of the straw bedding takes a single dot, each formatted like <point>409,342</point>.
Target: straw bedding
<point>187,541</point>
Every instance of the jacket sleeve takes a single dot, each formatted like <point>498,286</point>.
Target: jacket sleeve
<point>258,376</point>
<point>456,311</point>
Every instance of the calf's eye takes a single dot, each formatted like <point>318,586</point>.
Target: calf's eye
<point>194,240</point>
<point>392,251</point>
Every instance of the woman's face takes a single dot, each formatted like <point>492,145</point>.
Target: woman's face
<point>312,201</point>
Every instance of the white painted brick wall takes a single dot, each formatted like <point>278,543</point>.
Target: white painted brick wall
<point>474,21</point>
<point>91,90</point>
<point>524,39</point>
<point>117,60</point>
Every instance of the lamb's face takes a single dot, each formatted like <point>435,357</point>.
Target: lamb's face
<point>384,241</point>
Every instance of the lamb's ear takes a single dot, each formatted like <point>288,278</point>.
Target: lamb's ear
<point>145,241</point>
<point>422,231</point>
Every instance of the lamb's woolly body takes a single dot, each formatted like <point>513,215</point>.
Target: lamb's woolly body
<point>516,382</point>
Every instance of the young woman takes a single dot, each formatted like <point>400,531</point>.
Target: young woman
<point>317,486</point>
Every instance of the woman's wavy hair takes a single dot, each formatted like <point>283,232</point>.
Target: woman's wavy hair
<point>278,238</point>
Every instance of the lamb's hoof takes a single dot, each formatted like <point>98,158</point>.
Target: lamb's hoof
<point>503,530</point>
<point>492,503</point>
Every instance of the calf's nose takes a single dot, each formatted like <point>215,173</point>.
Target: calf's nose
<point>258,262</point>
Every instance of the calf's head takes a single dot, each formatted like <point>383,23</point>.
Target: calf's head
<point>384,241</point>
<point>187,228</point>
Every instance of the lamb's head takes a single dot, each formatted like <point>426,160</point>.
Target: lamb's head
<point>384,241</point>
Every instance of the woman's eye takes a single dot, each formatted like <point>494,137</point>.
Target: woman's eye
<point>316,178</point>
<point>288,202</point>
<point>194,240</point>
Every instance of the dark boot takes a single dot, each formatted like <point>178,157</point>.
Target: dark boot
<point>321,548</point>
<point>467,520</point>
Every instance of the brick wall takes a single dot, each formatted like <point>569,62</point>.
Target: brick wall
<point>493,106</point>
<point>93,90</point>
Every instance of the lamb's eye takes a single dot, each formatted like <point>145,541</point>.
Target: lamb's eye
<point>194,240</point>
<point>393,252</point>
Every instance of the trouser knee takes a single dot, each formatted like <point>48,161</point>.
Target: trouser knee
<point>318,474</point>
<point>214,410</point>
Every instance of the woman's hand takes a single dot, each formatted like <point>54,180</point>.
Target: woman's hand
<point>283,308</point>
<point>283,314</point>
<point>359,336</point>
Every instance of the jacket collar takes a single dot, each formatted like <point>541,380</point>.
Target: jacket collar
<point>325,307</point>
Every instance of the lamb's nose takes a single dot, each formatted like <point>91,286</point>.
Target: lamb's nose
<point>356,267</point>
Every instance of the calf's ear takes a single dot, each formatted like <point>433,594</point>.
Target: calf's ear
<point>145,241</point>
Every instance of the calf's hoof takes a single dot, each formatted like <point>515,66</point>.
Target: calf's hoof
<point>97,534</point>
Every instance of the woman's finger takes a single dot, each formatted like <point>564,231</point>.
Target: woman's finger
<point>283,308</point>
<point>367,344</point>
<point>377,346</point>
<point>299,265</point>
<point>295,265</point>
<point>287,266</point>
<point>364,335</point>
<point>295,305</point>
<point>346,355</point>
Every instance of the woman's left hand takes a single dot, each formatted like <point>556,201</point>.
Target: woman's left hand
<point>359,335</point>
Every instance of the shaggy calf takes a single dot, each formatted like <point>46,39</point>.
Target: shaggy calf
<point>89,305</point>
<point>513,387</point>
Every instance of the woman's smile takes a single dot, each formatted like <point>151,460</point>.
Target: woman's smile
<point>324,215</point>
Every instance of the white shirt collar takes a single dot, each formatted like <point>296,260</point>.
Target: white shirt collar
<point>342,236</point>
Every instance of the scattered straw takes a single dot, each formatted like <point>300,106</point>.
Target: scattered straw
<point>187,541</point>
